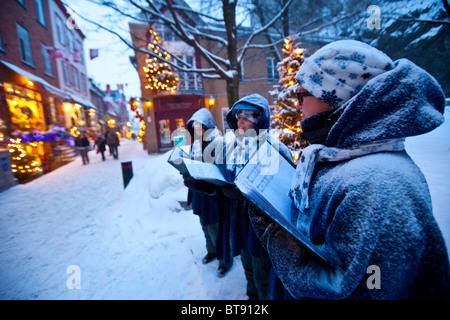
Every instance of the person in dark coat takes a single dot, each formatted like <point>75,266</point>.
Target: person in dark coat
<point>100,142</point>
<point>250,118</point>
<point>202,128</point>
<point>82,144</point>
<point>356,192</point>
<point>112,140</point>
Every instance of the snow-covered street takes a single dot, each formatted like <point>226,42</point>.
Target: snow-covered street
<point>137,243</point>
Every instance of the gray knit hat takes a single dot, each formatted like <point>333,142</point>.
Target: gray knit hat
<point>339,70</point>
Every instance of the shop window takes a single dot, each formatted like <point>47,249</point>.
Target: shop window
<point>60,30</point>
<point>272,72</point>
<point>79,52</point>
<point>47,58</point>
<point>75,78</point>
<point>164,133</point>
<point>188,80</point>
<point>40,12</point>
<point>66,73</point>
<point>25,107</point>
<point>2,48</point>
<point>70,41</point>
<point>83,83</point>
<point>25,46</point>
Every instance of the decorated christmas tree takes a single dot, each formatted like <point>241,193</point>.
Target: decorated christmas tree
<point>24,164</point>
<point>159,74</point>
<point>287,118</point>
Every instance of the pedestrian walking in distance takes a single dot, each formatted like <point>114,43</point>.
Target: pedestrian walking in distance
<point>112,140</point>
<point>82,144</point>
<point>100,142</point>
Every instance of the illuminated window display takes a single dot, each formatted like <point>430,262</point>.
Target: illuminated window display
<point>25,106</point>
<point>164,132</point>
<point>179,135</point>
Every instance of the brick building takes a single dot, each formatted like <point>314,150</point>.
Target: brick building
<point>40,99</point>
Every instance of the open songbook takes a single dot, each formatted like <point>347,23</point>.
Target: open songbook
<point>208,172</point>
<point>266,180</point>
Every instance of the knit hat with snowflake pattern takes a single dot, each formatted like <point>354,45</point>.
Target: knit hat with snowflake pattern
<point>339,70</point>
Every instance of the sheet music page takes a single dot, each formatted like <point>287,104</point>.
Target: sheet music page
<point>205,171</point>
<point>266,181</point>
<point>274,185</point>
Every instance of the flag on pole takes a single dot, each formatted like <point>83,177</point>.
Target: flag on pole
<point>93,53</point>
<point>59,53</point>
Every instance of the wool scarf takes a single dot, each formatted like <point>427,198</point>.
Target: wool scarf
<point>314,153</point>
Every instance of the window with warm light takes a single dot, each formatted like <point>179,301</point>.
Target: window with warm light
<point>164,133</point>
<point>25,106</point>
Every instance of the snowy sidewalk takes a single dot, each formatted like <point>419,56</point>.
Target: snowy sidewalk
<point>136,243</point>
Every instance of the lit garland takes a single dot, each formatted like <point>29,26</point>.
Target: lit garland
<point>134,106</point>
<point>158,73</point>
<point>141,134</point>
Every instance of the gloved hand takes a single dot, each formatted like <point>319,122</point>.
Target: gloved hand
<point>233,192</point>
<point>199,186</point>
<point>260,222</point>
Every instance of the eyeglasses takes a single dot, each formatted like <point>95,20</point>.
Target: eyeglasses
<point>301,95</point>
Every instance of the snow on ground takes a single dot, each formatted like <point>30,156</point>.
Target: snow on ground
<point>137,243</point>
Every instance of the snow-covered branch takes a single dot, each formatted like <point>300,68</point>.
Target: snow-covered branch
<point>300,33</point>
<point>190,40</point>
<point>179,67</point>
<point>199,13</point>
<point>262,29</point>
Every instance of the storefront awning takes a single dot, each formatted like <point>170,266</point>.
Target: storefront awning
<point>52,89</point>
<point>47,86</point>
<point>84,102</point>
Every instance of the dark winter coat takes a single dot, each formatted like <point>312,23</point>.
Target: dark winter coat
<point>372,210</point>
<point>237,232</point>
<point>101,144</point>
<point>82,141</point>
<point>112,139</point>
<point>203,205</point>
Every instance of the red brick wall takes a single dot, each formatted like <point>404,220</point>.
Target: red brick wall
<point>13,13</point>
